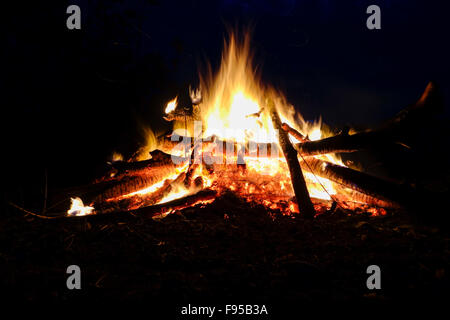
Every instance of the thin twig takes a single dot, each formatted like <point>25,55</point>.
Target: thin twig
<point>33,213</point>
<point>44,209</point>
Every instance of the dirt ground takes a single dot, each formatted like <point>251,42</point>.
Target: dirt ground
<point>229,250</point>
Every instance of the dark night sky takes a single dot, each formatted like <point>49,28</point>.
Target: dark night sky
<point>91,90</point>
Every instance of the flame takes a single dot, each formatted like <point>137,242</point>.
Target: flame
<point>315,134</point>
<point>150,144</point>
<point>231,105</point>
<point>77,208</point>
<point>318,187</point>
<point>175,195</point>
<point>116,156</point>
<point>171,105</point>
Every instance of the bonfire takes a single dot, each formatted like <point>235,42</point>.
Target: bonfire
<point>242,136</point>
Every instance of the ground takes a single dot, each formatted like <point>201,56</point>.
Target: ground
<point>227,251</point>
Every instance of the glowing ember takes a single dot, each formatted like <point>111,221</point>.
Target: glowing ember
<point>78,208</point>
<point>116,157</point>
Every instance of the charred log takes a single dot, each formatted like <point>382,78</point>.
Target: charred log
<point>392,131</point>
<point>362,198</point>
<point>177,204</point>
<point>175,144</point>
<point>297,135</point>
<point>132,183</point>
<point>155,209</point>
<point>160,160</point>
<point>430,102</point>
<point>298,181</point>
<point>126,203</point>
<point>359,181</point>
<point>345,143</point>
<point>191,170</point>
<point>184,114</point>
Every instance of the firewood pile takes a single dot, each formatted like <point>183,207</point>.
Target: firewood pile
<point>185,171</point>
<point>243,137</point>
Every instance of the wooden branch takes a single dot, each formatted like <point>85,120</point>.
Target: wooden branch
<point>177,204</point>
<point>159,160</point>
<point>298,181</point>
<point>430,103</point>
<point>359,181</point>
<point>131,183</point>
<point>178,144</point>
<point>152,210</point>
<point>184,114</point>
<point>123,202</point>
<point>392,131</point>
<point>345,143</point>
<point>190,174</point>
<point>297,135</point>
<point>160,157</point>
<point>358,197</point>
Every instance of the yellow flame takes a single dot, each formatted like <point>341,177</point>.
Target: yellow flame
<point>231,105</point>
<point>151,144</point>
<point>316,187</point>
<point>174,195</point>
<point>116,156</point>
<point>315,134</point>
<point>77,208</point>
<point>171,105</point>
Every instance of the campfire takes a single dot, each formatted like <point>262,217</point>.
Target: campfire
<point>242,136</point>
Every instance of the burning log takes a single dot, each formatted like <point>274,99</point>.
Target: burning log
<point>191,169</point>
<point>298,181</point>
<point>250,148</point>
<point>159,160</point>
<point>177,204</point>
<point>190,175</point>
<point>184,114</point>
<point>125,201</point>
<point>159,157</point>
<point>389,132</point>
<point>200,197</point>
<point>174,144</point>
<point>345,143</point>
<point>178,182</point>
<point>358,197</point>
<point>179,117</point>
<point>130,184</point>
<point>359,181</point>
<point>297,135</point>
